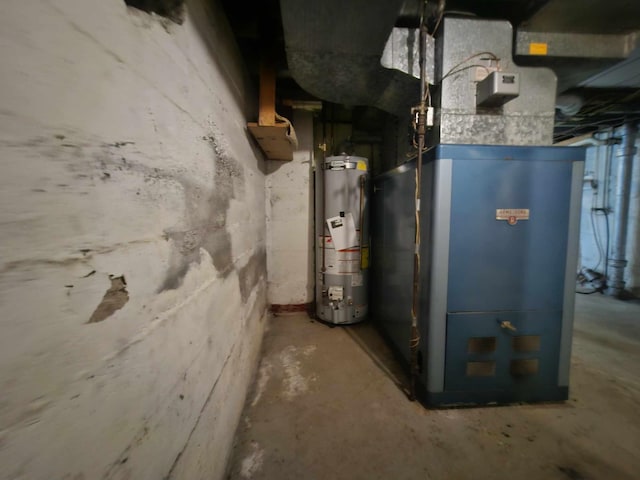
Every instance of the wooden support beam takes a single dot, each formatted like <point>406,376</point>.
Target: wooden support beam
<point>273,140</point>
<point>267,107</point>
<point>273,137</point>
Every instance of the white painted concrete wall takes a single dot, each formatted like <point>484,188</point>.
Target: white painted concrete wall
<point>124,152</point>
<point>605,176</point>
<point>633,241</point>
<point>590,256</point>
<point>289,209</point>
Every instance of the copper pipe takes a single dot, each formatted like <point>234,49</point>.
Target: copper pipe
<point>414,335</point>
<point>363,180</point>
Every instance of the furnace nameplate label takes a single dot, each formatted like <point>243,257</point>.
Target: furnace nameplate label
<point>512,215</point>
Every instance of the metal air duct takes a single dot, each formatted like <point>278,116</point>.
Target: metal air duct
<point>333,51</point>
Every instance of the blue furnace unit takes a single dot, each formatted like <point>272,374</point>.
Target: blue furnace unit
<point>500,232</point>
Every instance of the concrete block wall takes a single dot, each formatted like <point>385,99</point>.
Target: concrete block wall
<point>289,211</point>
<point>132,241</point>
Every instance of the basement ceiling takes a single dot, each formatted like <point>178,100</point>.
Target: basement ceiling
<point>607,87</point>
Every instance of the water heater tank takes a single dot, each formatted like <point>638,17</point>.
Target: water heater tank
<point>342,239</point>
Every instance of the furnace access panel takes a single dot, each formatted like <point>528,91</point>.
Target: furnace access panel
<point>500,229</point>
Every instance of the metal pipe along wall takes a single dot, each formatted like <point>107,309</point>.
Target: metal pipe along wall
<point>617,259</point>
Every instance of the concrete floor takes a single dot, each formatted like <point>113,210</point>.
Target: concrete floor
<point>326,404</point>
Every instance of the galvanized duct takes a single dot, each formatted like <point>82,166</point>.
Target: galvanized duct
<point>617,260</point>
<point>333,51</point>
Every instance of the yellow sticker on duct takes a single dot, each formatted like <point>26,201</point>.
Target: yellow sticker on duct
<point>362,165</point>
<point>364,262</point>
<point>538,48</point>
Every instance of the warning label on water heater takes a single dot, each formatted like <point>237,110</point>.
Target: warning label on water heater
<point>512,215</point>
<point>343,231</point>
<point>338,262</point>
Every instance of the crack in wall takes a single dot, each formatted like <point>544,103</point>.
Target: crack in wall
<point>197,422</point>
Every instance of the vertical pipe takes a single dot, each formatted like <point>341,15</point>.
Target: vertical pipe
<point>414,338</point>
<point>362,180</point>
<point>323,187</point>
<point>617,260</point>
<point>611,141</point>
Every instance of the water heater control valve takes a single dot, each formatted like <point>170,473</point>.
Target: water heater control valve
<point>336,293</point>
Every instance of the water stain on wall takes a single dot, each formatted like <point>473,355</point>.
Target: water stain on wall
<point>251,273</point>
<point>206,203</point>
<point>207,217</point>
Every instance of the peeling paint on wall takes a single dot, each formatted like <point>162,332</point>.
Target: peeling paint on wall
<point>253,462</point>
<point>171,9</point>
<point>115,298</point>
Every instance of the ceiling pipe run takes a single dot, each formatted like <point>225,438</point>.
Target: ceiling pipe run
<point>617,260</point>
<point>569,104</point>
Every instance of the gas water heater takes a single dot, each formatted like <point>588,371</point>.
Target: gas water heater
<point>342,239</point>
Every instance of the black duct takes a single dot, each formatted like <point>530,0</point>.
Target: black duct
<point>333,51</point>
